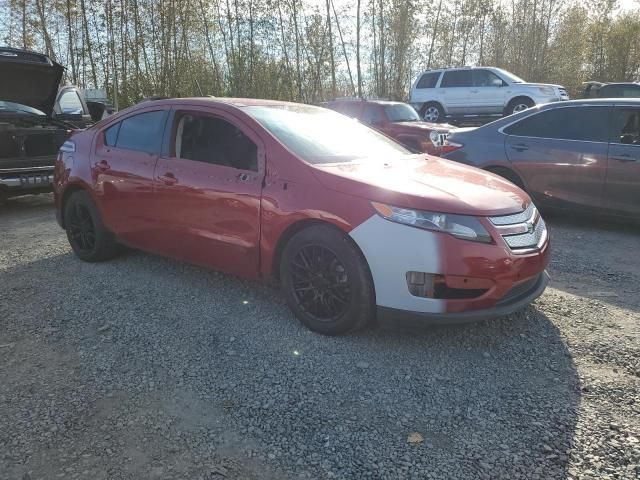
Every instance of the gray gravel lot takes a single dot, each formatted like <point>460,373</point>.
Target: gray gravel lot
<point>144,367</point>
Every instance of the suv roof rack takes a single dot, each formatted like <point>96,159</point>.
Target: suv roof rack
<point>361,99</point>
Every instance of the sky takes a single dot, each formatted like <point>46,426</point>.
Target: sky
<point>628,4</point>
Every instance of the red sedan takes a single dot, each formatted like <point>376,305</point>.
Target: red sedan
<point>352,225</point>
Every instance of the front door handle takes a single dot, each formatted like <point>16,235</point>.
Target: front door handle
<point>168,178</point>
<point>520,147</point>
<point>103,165</point>
<point>625,157</point>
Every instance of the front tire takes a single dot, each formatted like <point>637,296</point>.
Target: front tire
<point>519,104</point>
<point>87,235</point>
<point>326,281</point>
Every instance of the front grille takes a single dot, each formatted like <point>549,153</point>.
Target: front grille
<point>521,217</point>
<point>529,239</point>
<point>522,232</point>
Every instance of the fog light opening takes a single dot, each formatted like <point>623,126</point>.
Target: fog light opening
<point>436,286</point>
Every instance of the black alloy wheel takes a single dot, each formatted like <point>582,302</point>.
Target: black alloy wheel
<point>326,280</point>
<point>320,282</point>
<point>87,235</point>
<point>82,231</point>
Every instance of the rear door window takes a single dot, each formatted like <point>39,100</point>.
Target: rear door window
<point>625,126</point>
<point>565,123</point>
<point>631,92</point>
<point>142,132</point>
<point>372,115</point>
<point>351,109</point>
<point>429,80</point>
<point>456,78</point>
<point>610,91</point>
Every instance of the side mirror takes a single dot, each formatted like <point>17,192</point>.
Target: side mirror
<point>496,82</point>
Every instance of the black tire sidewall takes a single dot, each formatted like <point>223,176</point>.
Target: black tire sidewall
<point>104,244</point>
<point>362,299</point>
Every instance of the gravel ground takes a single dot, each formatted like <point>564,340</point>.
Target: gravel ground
<point>148,368</point>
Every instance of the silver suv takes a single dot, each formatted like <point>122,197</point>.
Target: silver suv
<point>476,92</point>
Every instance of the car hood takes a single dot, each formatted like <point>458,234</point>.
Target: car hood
<point>426,183</point>
<point>536,85</point>
<point>420,126</point>
<point>31,83</point>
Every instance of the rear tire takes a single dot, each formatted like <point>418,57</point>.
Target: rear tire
<point>432,112</point>
<point>326,281</point>
<point>87,235</point>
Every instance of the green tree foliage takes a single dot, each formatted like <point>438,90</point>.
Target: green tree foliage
<point>312,50</point>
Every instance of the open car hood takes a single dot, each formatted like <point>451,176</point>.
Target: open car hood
<point>29,78</point>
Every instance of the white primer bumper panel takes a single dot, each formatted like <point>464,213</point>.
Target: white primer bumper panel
<point>392,250</point>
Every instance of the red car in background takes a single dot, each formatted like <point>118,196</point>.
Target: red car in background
<point>397,120</point>
<point>354,226</point>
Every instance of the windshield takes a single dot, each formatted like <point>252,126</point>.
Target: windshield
<point>319,136</point>
<point>401,112</point>
<point>18,108</point>
<point>510,77</point>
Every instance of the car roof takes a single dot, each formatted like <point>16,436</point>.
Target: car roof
<point>364,100</point>
<point>444,69</point>
<point>236,102</point>
<point>635,84</point>
<point>594,101</point>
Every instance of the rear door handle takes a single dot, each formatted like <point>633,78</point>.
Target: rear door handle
<point>520,147</point>
<point>103,165</point>
<point>168,178</point>
<point>625,157</point>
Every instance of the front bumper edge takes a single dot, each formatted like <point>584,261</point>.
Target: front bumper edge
<point>395,318</point>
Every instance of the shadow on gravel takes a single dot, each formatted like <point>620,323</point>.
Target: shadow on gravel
<point>493,400</point>
<point>42,201</point>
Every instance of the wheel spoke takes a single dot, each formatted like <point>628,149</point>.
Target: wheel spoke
<point>81,228</point>
<point>320,282</point>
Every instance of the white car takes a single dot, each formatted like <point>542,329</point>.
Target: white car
<point>477,91</point>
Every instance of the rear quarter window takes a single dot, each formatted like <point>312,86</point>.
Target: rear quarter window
<point>456,78</point>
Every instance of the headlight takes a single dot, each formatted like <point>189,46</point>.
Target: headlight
<point>460,226</point>
<point>547,90</point>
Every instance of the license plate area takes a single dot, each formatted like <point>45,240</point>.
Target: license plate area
<point>34,180</point>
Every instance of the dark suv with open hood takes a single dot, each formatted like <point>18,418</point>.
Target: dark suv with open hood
<point>30,135</point>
